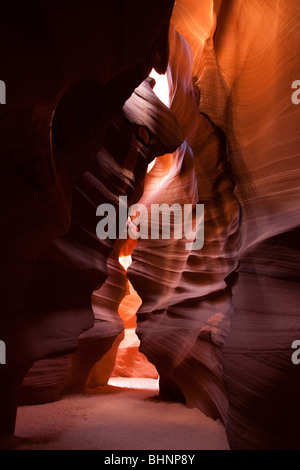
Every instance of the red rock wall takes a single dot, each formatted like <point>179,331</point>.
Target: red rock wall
<point>184,318</point>
<point>70,74</point>
<point>245,60</point>
<point>218,323</point>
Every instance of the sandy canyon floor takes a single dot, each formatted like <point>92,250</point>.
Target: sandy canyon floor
<point>124,415</point>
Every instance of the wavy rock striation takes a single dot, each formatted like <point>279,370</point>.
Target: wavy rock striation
<point>184,318</point>
<point>245,60</point>
<point>218,322</point>
<point>51,130</point>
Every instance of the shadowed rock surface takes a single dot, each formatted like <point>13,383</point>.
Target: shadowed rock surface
<point>50,133</point>
<point>80,128</point>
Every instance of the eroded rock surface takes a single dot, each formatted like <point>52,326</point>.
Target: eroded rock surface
<point>66,82</point>
<point>245,60</point>
<point>217,323</point>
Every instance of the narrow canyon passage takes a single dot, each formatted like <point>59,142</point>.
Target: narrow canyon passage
<point>128,411</point>
<point>149,207</point>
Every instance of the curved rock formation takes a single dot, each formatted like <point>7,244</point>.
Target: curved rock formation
<point>184,318</point>
<point>245,59</point>
<point>218,322</point>
<point>51,129</point>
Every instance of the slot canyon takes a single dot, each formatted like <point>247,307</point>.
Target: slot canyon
<point>185,102</point>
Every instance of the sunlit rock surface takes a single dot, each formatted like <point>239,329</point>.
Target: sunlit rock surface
<point>217,323</point>
<point>130,362</point>
<point>184,318</point>
<point>245,60</point>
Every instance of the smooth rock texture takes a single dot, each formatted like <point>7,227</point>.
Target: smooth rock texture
<point>79,258</point>
<point>184,318</point>
<point>51,131</point>
<point>45,380</point>
<point>81,127</point>
<point>245,58</point>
